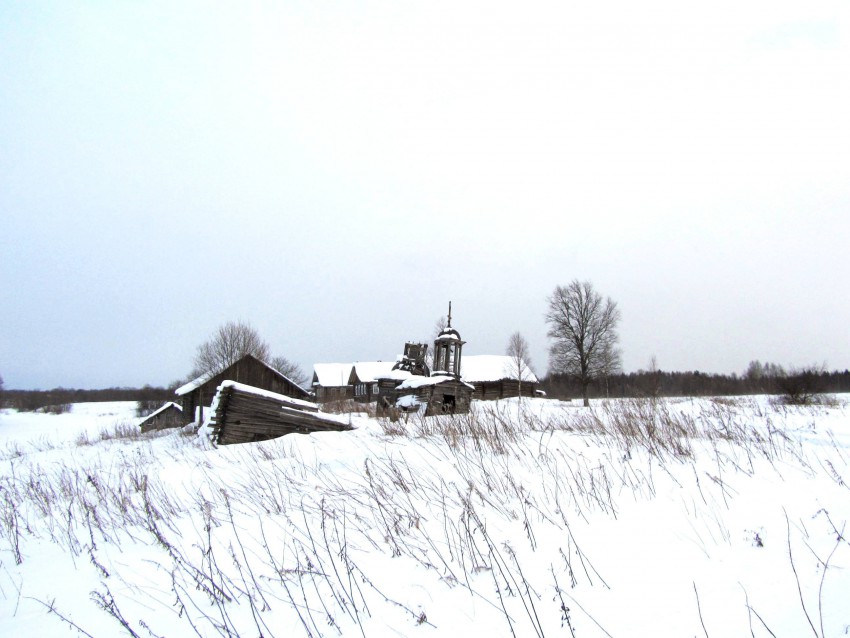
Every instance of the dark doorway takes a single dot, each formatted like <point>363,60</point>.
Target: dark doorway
<point>449,403</point>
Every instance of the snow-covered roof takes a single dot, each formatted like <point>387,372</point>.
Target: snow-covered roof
<point>285,400</point>
<point>201,380</point>
<point>449,334</point>
<point>493,367</point>
<point>370,371</point>
<point>194,384</point>
<point>331,374</point>
<point>396,374</point>
<point>416,381</point>
<point>167,406</point>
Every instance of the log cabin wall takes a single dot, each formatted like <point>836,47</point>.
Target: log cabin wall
<point>504,389</point>
<point>248,370</point>
<point>171,417</point>
<point>245,416</point>
<point>448,397</point>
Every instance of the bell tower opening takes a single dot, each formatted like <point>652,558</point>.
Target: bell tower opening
<point>447,350</point>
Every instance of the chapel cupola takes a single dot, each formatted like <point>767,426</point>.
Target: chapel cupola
<point>447,350</point>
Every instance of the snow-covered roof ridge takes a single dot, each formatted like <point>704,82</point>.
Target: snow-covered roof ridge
<point>370,371</point>
<point>332,374</point>
<point>287,400</point>
<point>201,380</point>
<point>165,407</point>
<point>493,367</point>
<point>416,381</point>
<point>194,383</point>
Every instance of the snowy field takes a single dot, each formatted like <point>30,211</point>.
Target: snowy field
<point>710,518</point>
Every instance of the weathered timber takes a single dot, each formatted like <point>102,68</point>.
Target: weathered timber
<point>168,416</point>
<point>248,370</point>
<point>244,414</point>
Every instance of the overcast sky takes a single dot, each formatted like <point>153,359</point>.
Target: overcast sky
<point>335,172</point>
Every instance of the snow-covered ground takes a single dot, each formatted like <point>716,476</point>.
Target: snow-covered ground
<point>631,518</point>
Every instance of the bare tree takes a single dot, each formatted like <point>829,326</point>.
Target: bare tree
<point>583,327</point>
<point>439,325</point>
<point>229,343</point>
<point>290,370</point>
<point>520,360</point>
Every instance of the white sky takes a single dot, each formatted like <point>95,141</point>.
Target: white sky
<point>336,172</point>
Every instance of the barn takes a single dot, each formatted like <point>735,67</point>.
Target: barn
<point>169,415</point>
<point>498,377</point>
<point>249,370</point>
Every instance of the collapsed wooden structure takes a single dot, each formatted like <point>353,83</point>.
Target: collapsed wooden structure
<point>245,414</point>
<point>435,395</point>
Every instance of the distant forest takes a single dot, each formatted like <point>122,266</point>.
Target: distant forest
<point>658,383</point>
<point>31,400</point>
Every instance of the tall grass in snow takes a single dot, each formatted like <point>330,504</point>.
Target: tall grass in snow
<point>494,511</point>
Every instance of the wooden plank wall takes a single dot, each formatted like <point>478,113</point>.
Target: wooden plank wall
<point>506,388</point>
<point>244,417</point>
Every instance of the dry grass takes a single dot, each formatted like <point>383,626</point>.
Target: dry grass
<point>280,541</point>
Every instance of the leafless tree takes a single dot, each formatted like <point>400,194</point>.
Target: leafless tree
<point>229,343</point>
<point>289,369</point>
<point>583,328</point>
<point>654,377</point>
<point>439,326</point>
<point>520,360</point>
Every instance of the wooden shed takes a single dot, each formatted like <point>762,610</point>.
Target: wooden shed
<point>248,370</point>
<point>498,377</point>
<point>169,415</point>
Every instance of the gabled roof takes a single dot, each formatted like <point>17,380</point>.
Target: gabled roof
<point>168,406</point>
<point>493,367</point>
<point>194,383</point>
<point>201,380</point>
<point>370,371</point>
<point>331,375</point>
<point>416,381</point>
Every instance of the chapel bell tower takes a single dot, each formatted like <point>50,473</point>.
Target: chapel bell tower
<point>447,350</point>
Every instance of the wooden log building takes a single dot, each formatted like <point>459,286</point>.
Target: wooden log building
<point>169,415</point>
<point>498,377</point>
<point>331,382</point>
<point>249,370</point>
<point>364,379</point>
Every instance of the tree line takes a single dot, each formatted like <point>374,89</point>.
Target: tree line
<point>660,383</point>
<point>229,343</point>
<point>57,399</point>
<point>584,360</point>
